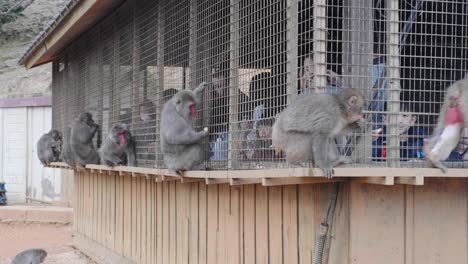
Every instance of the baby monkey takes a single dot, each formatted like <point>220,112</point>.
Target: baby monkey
<point>118,147</point>
<point>307,128</point>
<point>49,147</point>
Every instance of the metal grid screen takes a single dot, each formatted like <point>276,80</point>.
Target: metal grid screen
<point>257,57</point>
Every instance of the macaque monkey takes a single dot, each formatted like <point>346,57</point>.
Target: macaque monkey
<point>67,154</point>
<point>30,256</point>
<point>181,145</point>
<point>449,126</point>
<point>118,147</point>
<point>307,128</point>
<point>49,147</point>
<point>81,140</point>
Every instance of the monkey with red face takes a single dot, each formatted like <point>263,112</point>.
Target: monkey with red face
<point>180,143</point>
<point>118,147</point>
<point>449,126</point>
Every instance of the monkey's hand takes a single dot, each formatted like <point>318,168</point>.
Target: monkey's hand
<point>199,90</point>
<point>329,172</point>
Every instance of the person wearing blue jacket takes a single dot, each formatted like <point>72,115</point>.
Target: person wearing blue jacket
<point>411,138</point>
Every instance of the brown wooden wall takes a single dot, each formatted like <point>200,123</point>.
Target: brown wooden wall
<point>172,222</point>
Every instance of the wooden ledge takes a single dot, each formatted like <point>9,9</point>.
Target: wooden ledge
<point>284,176</point>
<point>60,165</point>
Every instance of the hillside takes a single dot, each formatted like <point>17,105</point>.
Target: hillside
<point>15,36</point>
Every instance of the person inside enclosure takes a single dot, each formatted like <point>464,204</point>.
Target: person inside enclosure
<point>266,99</point>
<point>145,132</point>
<point>217,105</point>
<point>411,137</point>
<point>306,81</point>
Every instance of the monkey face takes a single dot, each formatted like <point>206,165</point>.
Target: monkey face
<point>355,105</point>
<point>119,133</point>
<point>186,106</point>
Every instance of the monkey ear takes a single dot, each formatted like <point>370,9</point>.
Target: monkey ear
<point>352,100</point>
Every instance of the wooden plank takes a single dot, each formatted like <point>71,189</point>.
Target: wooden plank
<point>119,214</point>
<point>127,212</point>
<point>193,229</point>
<point>261,224</point>
<point>338,242</point>
<point>409,224</point>
<point>112,212</point>
<point>249,224</point>
<point>134,224</point>
<point>151,225</point>
<point>182,204</point>
<point>94,195</point>
<point>166,223</point>
<point>417,180</point>
<point>307,222</point>
<point>75,203</point>
<point>371,204</point>
<point>290,234</point>
<point>211,181</point>
<point>159,222</point>
<point>172,223</point>
<point>236,181</point>
<point>387,180</point>
<point>233,232</point>
<point>440,222</point>
<point>203,227</point>
<point>275,215</point>
<point>223,214</point>
<point>299,180</point>
<point>212,224</point>
<point>144,215</point>
<point>100,225</point>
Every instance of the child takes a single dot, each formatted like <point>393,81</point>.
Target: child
<point>411,137</point>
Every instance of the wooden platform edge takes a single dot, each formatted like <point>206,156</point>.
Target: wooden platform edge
<point>283,176</point>
<point>96,251</point>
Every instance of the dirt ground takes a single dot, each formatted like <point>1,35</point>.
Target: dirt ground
<point>55,239</point>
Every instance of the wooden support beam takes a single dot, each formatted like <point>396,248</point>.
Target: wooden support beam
<point>189,180</point>
<point>385,180</point>
<point>417,180</point>
<point>236,181</point>
<point>299,180</point>
<point>209,181</point>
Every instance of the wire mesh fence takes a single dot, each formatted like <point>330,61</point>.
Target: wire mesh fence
<point>257,58</point>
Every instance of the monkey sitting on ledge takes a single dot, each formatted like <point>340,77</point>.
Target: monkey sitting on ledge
<point>118,147</point>
<point>180,143</point>
<point>307,128</point>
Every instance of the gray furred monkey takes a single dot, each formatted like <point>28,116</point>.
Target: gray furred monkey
<point>180,144</point>
<point>118,147</point>
<point>30,256</point>
<point>450,124</point>
<point>306,129</point>
<point>67,154</point>
<point>81,140</point>
<point>49,147</point>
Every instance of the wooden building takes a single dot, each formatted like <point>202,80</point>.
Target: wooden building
<point>113,58</point>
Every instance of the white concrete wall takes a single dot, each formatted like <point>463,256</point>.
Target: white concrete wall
<point>20,168</point>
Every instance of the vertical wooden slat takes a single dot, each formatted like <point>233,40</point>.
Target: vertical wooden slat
<point>275,216</point>
<point>212,224</point>
<point>261,224</point>
<point>151,236</point>
<point>202,223</point>
<point>76,192</point>
<point>172,222</point>
<point>440,221</point>
<point>161,215</point>
<point>290,235</point>
<point>144,215</point>
<point>134,223</point>
<point>339,234</point>
<point>166,223</point>
<point>223,214</point>
<point>100,209</point>
<point>138,220</point>
<point>127,212</point>
<point>112,212</point>
<point>94,206</point>
<point>193,231</point>
<point>409,224</point>
<point>119,214</point>
<point>307,224</point>
<point>371,204</point>
<point>181,222</point>
<point>249,224</point>
<point>233,235</point>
